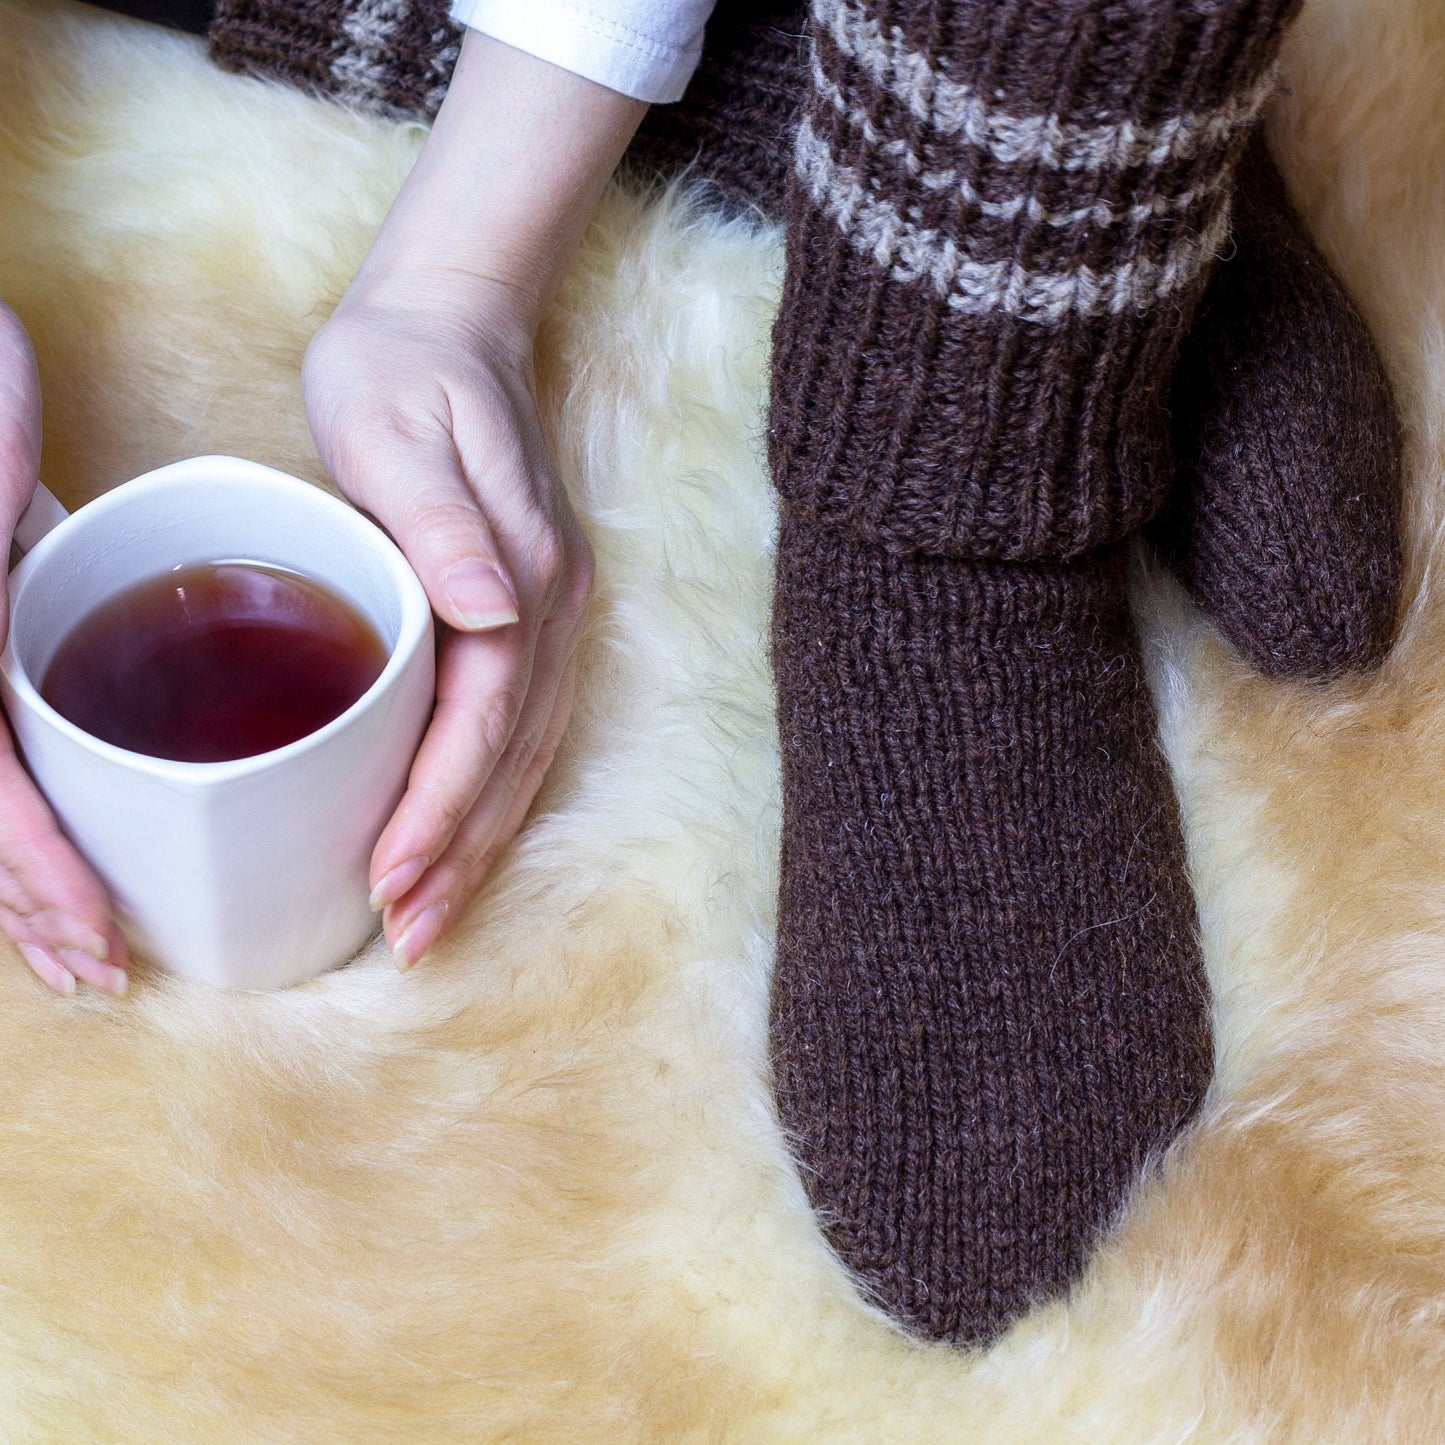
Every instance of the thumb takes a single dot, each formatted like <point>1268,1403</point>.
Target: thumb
<point>417,490</point>
<point>19,431</point>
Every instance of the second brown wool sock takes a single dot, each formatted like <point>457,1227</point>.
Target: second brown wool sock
<point>988,1003</point>
<point>1284,520</point>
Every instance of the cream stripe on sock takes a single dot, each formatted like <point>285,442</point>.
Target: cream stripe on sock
<point>1046,140</point>
<point>950,178</point>
<point>365,68</point>
<point>908,252</point>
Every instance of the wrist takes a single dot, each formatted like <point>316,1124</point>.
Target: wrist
<point>509,176</point>
<point>505,305</point>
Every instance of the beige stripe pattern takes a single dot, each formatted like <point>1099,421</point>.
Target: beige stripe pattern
<point>1046,140</point>
<point>910,253</point>
<point>1183,231</point>
<point>366,70</point>
<point>1028,207</point>
<point>363,68</point>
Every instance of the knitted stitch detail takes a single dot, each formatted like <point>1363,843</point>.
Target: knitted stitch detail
<point>988,1001</point>
<point>392,57</point>
<point>1025,417</point>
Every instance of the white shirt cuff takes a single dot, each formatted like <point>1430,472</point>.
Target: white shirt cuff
<point>598,42</point>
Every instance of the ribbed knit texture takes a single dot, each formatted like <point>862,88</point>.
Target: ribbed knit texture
<point>1285,515</point>
<point>377,55</point>
<point>988,1005</point>
<point>735,125</point>
<point>988,1002</point>
<point>1030,208</point>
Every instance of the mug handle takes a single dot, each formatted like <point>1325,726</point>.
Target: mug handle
<point>43,515</point>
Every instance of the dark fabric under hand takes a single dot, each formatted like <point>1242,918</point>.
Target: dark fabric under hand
<point>392,61</point>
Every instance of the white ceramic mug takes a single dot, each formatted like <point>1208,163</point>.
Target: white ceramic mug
<point>245,874</point>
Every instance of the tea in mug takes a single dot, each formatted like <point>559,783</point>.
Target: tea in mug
<point>214,661</point>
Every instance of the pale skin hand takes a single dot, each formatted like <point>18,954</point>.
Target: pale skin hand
<point>52,907</point>
<point>420,395</point>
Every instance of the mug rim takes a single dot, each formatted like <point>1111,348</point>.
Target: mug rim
<point>414,629</point>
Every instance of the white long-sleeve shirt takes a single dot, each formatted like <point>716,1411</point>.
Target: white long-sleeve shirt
<point>647,49</point>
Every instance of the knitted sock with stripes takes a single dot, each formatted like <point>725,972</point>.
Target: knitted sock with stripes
<point>989,1007</point>
<point>1284,516</point>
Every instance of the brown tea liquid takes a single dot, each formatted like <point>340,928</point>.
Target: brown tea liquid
<point>214,661</point>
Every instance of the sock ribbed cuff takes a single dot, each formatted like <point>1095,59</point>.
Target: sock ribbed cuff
<point>1000,219</point>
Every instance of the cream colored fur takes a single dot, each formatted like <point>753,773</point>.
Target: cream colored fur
<point>534,1191</point>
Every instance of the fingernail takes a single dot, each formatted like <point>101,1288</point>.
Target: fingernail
<point>480,595</point>
<point>49,969</point>
<point>65,930</point>
<point>395,882</point>
<point>419,935</point>
<point>103,976</point>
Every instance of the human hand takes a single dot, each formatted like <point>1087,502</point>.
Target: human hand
<point>420,395</point>
<point>419,392</point>
<point>52,906</point>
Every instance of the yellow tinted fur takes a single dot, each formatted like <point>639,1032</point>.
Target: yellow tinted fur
<point>533,1192</point>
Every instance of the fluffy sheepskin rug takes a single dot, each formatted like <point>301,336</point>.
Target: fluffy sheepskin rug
<point>534,1191</point>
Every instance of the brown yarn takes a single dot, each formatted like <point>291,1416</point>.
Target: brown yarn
<point>397,64</point>
<point>988,1006</point>
<point>734,126</point>
<point>1284,520</point>
<point>988,1003</point>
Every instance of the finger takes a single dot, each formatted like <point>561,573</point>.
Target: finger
<point>48,969</point>
<point>426,916</point>
<point>39,932</point>
<point>19,417</point>
<point>104,976</point>
<point>418,490</point>
<point>44,957</point>
<point>482,686</point>
<point>45,885</point>
<point>418,920</point>
<point>56,929</point>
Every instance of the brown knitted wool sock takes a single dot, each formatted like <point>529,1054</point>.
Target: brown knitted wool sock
<point>1284,518</point>
<point>734,126</point>
<point>988,1004</point>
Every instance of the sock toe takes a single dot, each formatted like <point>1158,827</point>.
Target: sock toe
<point>1284,520</point>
